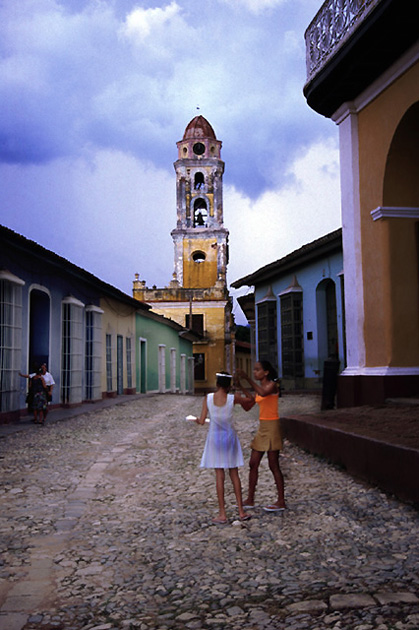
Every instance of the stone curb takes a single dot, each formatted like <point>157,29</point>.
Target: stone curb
<point>392,468</point>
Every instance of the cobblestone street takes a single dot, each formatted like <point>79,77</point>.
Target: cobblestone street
<point>105,524</point>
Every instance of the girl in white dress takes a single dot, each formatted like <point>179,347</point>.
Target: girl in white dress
<point>222,447</point>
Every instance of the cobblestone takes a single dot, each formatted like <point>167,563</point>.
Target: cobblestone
<point>106,524</point>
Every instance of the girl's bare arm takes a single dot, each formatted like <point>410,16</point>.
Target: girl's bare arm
<point>263,390</point>
<point>204,412</point>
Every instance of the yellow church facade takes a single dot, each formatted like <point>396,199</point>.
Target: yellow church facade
<point>197,296</point>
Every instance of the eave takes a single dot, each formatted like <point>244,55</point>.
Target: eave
<point>319,248</point>
<point>380,39</point>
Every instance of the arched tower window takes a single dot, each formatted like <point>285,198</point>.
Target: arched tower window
<point>198,256</point>
<point>200,213</point>
<point>199,181</point>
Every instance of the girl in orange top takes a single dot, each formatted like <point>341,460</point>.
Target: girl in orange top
<point>268,438</point>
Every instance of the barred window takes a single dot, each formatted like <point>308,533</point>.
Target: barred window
<point>93,353</point>
<point>129,361</point>
<point>10,339</point>
<point>267,332</point>
<point>109,382</point>
<point>292,335</point>
<point>72,351</point>
<point>119,364</point>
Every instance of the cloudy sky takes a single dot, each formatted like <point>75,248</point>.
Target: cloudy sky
<point>94,95</point>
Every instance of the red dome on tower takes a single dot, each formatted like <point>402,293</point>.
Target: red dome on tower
<point>199,127</point>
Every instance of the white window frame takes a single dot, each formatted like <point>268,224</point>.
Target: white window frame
<point>128,352</point>
<point>173,357</point>
<point>109,363</point>
<point>72,351</point>
<point>162,368</point>
<point>10,340</point>
<point>93,353</point>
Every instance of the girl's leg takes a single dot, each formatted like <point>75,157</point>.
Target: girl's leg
<point>254,462</point>
<point>219,483</point>
<point>235,480</point>
<point>273,459</point>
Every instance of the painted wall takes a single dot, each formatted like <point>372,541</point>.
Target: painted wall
<point>153,337</point>
<point>118,320</point>
<point>389,246</point>
<point>43,292</point>
<point>41,284</point>
<point>213,346</point>
<point>311,278</point>
<point>203,274</point>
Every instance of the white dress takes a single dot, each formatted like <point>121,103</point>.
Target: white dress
<point>222,447</point>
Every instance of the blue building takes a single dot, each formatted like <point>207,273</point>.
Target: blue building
<point>299,318</point>
<point>96,340</point>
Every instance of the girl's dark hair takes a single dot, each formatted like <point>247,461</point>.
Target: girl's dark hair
<point>268,367</point>
<point>224,380</point>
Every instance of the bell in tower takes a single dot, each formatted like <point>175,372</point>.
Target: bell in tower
<point>200,239</point>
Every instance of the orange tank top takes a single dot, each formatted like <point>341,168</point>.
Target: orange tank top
<point>268,406</point>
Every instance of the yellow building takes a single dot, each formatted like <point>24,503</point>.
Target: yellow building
<point>363,73</point>
<point>197,297</point>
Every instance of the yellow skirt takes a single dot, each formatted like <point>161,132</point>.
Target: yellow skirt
<point>268,437</point>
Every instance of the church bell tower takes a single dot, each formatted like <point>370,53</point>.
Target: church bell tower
<point>200,239</point>
<point>197,297</point>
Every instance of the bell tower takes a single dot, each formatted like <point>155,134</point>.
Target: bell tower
<point>200,239</point>
<point>197,297</point>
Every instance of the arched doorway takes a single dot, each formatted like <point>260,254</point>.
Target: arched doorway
<point>39,327</point>
<point>327,327</point>
<point>401,212</point>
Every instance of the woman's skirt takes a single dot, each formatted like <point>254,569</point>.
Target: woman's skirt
<point>268,437</point>
<point>39,401</point>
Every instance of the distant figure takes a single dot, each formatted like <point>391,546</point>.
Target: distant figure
<point>29,395</point>
<point>268,437</point>
<point>222,447</point>
<point>39,390</point>
<point>49,382</point>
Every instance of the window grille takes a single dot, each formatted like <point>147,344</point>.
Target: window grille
<point>267,332</point>
<point>109,382</point>
<point>93,353</point>
<point>128,351</point>
<point>120,364</point>
<point>72,351</point>
<point>10,340</point>
<point>292,335</point>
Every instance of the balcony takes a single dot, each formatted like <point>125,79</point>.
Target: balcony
<point>350,44</point>
<point>333,25</point>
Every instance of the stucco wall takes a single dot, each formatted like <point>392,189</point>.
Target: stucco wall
<point>389,250</point>
<point>310,279</point>
<point>118,319</point>
<point>155,334</point>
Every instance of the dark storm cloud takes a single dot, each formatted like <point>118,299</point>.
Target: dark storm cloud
<point>81,74</point>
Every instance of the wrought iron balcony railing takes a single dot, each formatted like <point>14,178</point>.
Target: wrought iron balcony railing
<point>333,25</point>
